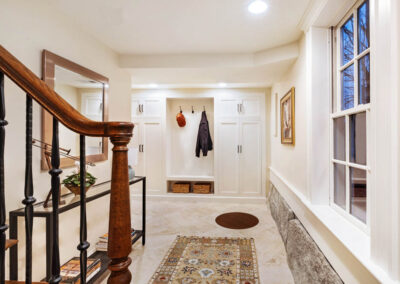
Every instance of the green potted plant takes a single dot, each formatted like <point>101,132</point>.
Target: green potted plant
<point>73,182</point>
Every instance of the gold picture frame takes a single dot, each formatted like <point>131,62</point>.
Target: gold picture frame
<point>288,118</point>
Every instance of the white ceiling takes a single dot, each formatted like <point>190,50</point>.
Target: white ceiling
<point>195,42</point>
<point>186,26</point>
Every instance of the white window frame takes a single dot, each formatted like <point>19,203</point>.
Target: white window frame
<point>337,68</point>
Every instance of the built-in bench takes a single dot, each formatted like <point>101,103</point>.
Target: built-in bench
<point>306,261</point>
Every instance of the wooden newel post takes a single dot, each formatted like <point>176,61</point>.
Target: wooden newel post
<point>119,228</point>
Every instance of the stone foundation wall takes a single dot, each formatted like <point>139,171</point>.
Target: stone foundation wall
<point>306,261</point>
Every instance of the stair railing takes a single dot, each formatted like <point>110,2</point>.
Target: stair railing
<point>120,133</point>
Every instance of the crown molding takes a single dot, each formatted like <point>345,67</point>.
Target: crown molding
<point>241,60</point>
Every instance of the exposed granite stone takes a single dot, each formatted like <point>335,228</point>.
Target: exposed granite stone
<point>281,212</point>
<point>305,259</point>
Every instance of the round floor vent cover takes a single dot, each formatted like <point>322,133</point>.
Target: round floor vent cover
<point>237,220</point>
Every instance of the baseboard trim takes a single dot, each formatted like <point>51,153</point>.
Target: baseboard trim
<point>202,198</point>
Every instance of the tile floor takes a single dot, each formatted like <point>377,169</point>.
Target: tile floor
<point>167,219</point>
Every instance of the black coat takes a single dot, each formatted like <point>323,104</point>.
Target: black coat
<point>204,141</point>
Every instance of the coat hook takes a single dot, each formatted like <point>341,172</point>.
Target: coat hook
<point>192,109</point>
<point>180,108</point>
<point>204,108</point>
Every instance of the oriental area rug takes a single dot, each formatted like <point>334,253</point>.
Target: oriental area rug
<point>203,260</point>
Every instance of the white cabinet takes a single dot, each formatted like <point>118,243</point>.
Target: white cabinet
<point>251,107</point>
<point>147,107</point>
<point>92,108</point>
<point>237,164</point>
<point>240,139</point>
<point>240,106</point>
<point>240,153</point>
<point>229,107</point>
<point>228,153</point>
<point>148,139</point>
<point>250,158</point>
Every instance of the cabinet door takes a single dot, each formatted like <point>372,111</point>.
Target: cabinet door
<point>250,158</point>
<point>136,107</point>
<point>153,155</point>
<point>229,107</point>
<point>152,107</point>
<point>92,108</point>
<point>136,141</point>
<point>251,107</point>
<point>228,158</point>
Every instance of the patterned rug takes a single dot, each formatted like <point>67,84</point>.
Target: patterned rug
<point>202,260</point>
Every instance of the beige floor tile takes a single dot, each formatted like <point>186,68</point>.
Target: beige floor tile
<point>167,219</point>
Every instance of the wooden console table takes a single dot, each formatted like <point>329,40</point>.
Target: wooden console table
<point>96,192</point>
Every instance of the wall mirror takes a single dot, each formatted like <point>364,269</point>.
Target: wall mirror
<point>86,91</point>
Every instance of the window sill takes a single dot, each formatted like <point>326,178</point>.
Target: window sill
<point>355,240</point>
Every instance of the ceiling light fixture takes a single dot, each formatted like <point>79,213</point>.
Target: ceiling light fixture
<point>153,85</point>
<point>222,85</point>
<point>257,7</point>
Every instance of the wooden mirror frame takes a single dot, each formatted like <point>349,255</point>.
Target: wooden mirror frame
<point>49,61</point>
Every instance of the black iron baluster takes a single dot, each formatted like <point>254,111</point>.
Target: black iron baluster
<point>55,191</point>
<point>3,225</point>
<point>84,245</point>
<point>29,199</point>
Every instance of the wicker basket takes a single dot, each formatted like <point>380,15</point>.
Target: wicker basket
<point>181,187</point>
<point>202,188</point>
<point>76,189</point>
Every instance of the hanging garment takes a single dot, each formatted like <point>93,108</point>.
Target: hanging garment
<point>204,142</point>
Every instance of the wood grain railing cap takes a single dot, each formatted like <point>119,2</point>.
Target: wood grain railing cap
<point>55,104</point>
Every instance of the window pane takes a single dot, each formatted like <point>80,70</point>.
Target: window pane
<point>340,185</point>
<point>358,193</point>
<point>339,129</point>
<point>358,138</point>
<point>347,41</point>
<point>348,87</point>
<point>363,77</point>
<point>363,27</point>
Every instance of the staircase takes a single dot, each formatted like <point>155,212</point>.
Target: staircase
<point>120,133</point>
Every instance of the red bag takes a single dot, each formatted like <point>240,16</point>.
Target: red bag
<point>180,118</point>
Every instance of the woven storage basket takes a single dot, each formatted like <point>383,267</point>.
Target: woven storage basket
<point>181,188</point>
<point>202,188</point>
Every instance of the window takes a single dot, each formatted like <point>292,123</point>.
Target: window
<point>350,112</point>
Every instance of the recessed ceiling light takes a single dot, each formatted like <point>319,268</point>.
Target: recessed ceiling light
<point>222,85</point>
<point>257,7</point>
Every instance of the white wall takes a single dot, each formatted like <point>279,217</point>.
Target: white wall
<point>290,161</point>
<point>26,28</point>
<point>301,172</point>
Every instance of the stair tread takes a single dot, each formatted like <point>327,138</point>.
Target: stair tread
<point>11,243</point>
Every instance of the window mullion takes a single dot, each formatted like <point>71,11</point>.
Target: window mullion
<point>338,72</point>
<point>355,16</point>
<point>347,166</point>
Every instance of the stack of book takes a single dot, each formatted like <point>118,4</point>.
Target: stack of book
<point>102,244</point>
<point>71,271</point>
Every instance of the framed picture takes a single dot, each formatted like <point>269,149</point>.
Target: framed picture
<point>288,118</point>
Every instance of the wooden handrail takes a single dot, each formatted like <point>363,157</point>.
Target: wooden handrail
<point>55,104</point>
<point>120,133</point>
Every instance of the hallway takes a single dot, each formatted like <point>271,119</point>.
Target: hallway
<point>167,219</point>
